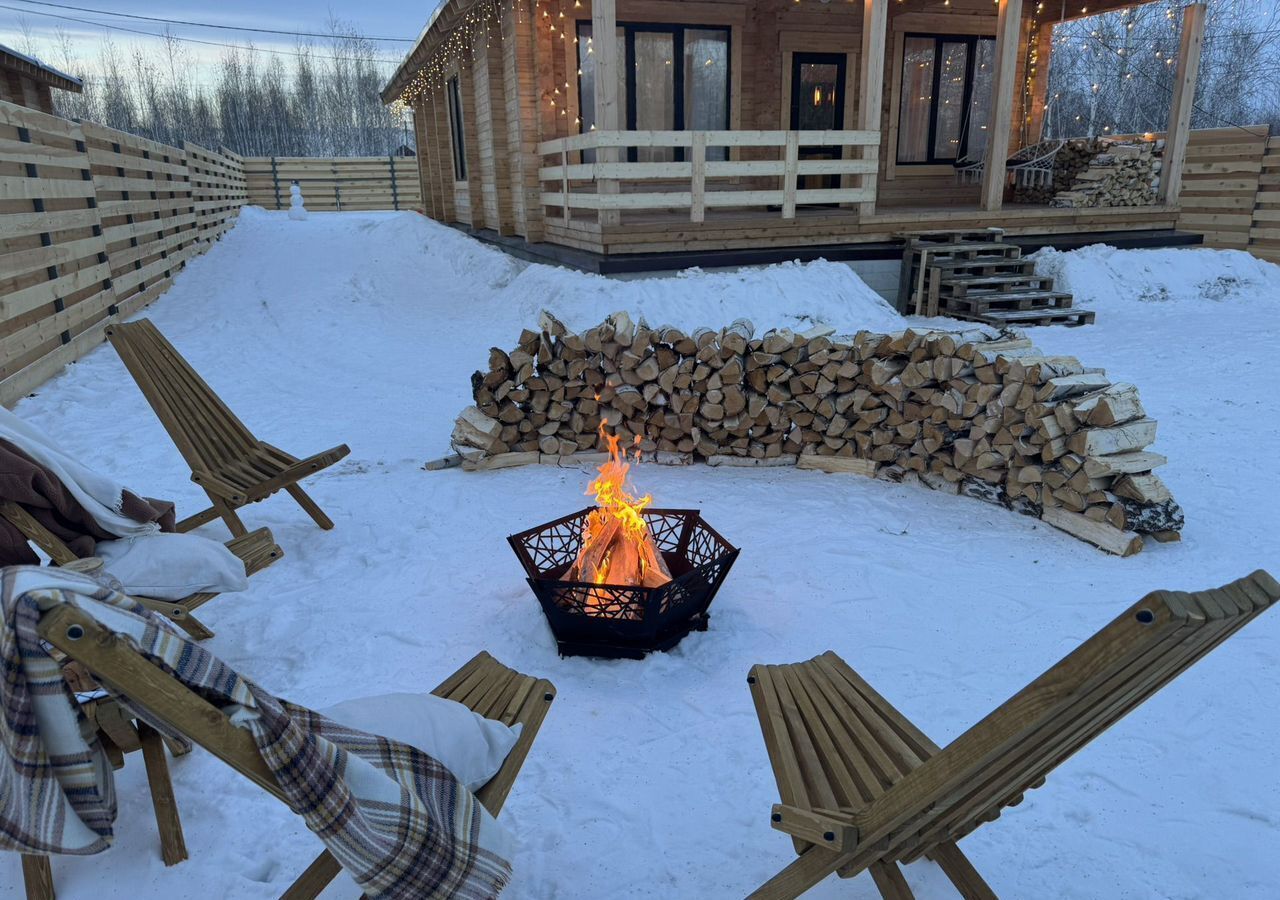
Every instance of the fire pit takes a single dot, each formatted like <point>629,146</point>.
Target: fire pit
<point>590,618</point>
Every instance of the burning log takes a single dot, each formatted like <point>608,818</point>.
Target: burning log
<point>617,547</point>
<point>988,416</point>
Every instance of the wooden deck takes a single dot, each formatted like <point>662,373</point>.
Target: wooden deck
<point>729,230</point>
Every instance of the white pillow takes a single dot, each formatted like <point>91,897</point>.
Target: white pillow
<point>172,566</point>
<point>470,746</point>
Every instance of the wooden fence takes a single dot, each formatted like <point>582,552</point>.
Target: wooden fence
<point>94,225</point>
<point>328,185</point>
<point>1264,234</point>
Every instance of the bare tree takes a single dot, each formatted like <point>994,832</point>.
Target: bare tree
<point>323,102</point>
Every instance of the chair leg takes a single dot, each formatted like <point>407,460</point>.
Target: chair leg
<point>963,875</point>
<point>312,509</point>
<point>315,879</point>
<point>229,515</point>
<point>37,875</point>
<point>812,866</point>
<point>173,847</point>
<point>890,881</point>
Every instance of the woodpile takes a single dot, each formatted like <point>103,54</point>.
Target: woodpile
<point>1113,174</point>
<point>988,416</point>
<point>1071,160</point>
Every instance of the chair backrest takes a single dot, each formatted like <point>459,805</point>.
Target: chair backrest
<point>207,433</point>
<point>1017,745</point>
<point>122,670</point>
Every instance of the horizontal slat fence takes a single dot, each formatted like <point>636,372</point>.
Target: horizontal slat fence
<point>1264,236</point>
<point>218,182</point>
<point>329,185</point>
<point>1220,184</point>
<point>94,224</point>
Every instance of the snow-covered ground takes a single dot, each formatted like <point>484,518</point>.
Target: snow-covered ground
<point>650,778</point>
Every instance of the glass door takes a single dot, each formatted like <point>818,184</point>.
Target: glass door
<point>817,104</point>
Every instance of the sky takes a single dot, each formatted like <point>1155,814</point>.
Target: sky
<point>402,19</point>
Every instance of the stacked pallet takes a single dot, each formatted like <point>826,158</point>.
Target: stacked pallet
<point>977,276</point>
<point>985,416</point>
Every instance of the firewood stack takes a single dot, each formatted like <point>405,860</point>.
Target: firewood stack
<point>1118,174</point>
<point>988,416</point>
<point>1071,160</point>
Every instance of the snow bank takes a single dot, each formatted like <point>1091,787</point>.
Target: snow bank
<point>650,779</point>
<point>1100,275</point>
<point>791,295</point>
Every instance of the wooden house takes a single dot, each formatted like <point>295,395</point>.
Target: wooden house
<point>711,130</point>
<point>29,82</point>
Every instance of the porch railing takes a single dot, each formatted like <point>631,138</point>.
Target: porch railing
<point>611,186</point>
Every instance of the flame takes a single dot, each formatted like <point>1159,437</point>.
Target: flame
<point>617,547</point>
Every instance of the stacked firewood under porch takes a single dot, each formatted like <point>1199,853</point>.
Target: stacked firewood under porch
<point>979,277</point>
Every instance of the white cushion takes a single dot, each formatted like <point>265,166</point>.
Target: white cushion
<point>470,746</point>
<point>172,566</point>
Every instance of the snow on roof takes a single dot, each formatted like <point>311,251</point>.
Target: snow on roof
<point>45,67</point>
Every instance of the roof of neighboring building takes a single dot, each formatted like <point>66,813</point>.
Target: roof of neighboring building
<point>29,65</point>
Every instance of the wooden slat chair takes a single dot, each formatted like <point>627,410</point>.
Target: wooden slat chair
<point>863,788</point>
<point>232,466</point>
<point>483,684</point>
<point>256,549</point>
<point>120,734</point>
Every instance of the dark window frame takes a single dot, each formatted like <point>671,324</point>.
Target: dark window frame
<point>629,30</point>
<point>457,135</point>
<point>970,71</point>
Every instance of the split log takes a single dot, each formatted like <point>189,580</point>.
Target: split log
<point>1100,534</point>
<point>1119,439</point>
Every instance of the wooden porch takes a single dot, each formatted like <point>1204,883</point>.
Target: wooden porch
<point>672,232</point>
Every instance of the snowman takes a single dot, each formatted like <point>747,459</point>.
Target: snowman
<point>297,211</point>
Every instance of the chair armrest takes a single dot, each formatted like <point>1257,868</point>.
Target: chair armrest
<point>824,827</point>
<point>295,472</point>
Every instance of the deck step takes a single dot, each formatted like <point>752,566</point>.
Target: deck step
<point>975,262</point>
<point>977,276</point>
<point>1072,317</point>
<point>970,280</point>
<point>1009,300</point>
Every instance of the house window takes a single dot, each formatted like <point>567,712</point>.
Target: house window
<point>670,78</point>
<point>456,132</point>
<point>946,97</point>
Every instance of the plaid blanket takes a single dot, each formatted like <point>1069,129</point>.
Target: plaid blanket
<point>398,821</point>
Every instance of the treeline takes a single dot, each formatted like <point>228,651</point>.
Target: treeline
<point>322,100</point>
<point>1114,73</point>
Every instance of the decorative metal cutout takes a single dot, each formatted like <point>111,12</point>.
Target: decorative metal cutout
<point>615,621</point>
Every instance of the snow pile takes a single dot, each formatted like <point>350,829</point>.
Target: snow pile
<point>650,779</point>
<point>789,295</point>
<point>1100,276</point>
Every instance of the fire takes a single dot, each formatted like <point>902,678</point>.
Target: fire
<point>617,547</point>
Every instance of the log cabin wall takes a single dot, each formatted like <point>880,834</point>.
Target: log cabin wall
<point>15,87</point>
<point>518,81</point>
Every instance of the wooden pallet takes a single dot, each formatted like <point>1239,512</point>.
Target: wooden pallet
<point>978,277</point>
<point>1023,317</point>
<point>1008,300</point>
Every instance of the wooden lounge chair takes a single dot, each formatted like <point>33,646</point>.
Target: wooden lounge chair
<point>256,549</point>
<point>483,684</point>
<point>234,467</point>
<point>863,788</point>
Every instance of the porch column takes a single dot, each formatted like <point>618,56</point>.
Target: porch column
<point>1001,123</point>
<point>875,22</point>
<point>1184,92</point>
<point>604,27</point>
